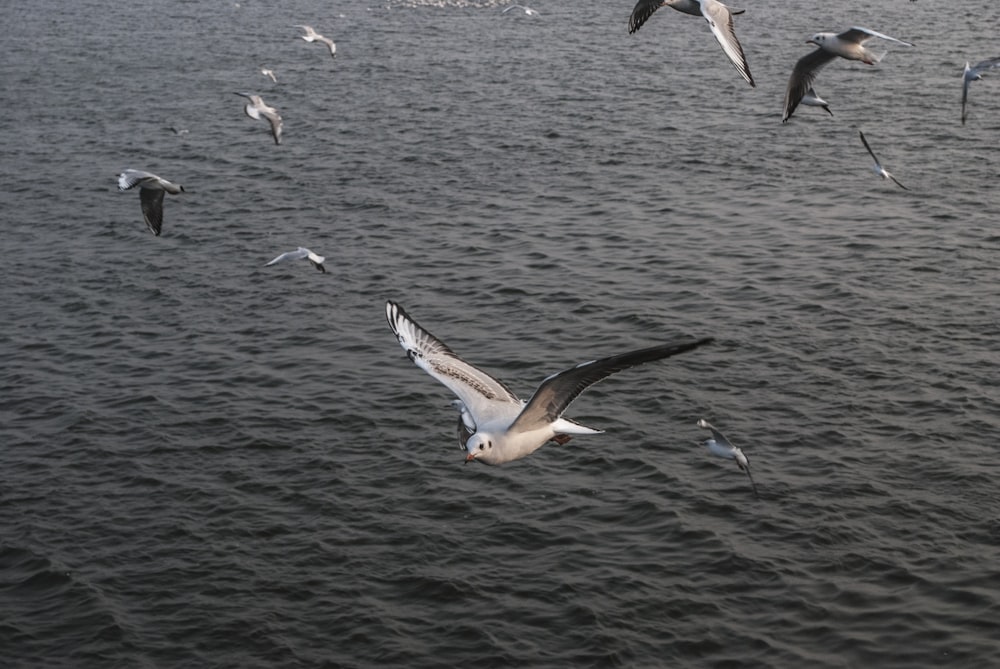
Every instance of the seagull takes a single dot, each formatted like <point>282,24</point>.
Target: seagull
<point>877,167</point>
<point>848,44</point>
<point>721,447</point>
<point>973,74</point>
<point>256,107</point>
<point>151,191</point>
<point>527,10</point>
<point>719,17</point>
<point>269,73</point>
<point>299,254</point>
<point>501,426</point>
<point>313,36</point>
<point>812,100</point>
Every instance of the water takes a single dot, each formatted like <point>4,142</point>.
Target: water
<point>210,463</point>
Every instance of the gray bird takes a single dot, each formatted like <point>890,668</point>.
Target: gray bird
<point>151,191</point>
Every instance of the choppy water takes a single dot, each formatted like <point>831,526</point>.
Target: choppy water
<point>206,463</point>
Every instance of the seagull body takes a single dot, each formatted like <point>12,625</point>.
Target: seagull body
<point>299,254</point>
<point>877,167</point>
<point>720,20</point>
<point>256,109</point>
<point>973,74</point>
<point>812,100</point>
<point>313,36</point>
<point>269,73</point>
<point>848,44</point>
<point>500,426</point>
<point>720,446</point>
<point>151,191</point>
<point>527,10</point>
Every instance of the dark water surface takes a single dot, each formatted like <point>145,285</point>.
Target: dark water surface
<point>210,463</point>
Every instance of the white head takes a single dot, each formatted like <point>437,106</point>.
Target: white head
<point>480,447</point>
<point>819,38</point>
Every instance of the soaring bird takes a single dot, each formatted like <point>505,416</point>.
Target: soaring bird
<point>848,44</point>
<point>151,191</point>
<point>500,426</point>
<point>256,109</point>
<point>720,20</point>
<point>973,74</point>
<point>299,254</point>
<point>313,36</point>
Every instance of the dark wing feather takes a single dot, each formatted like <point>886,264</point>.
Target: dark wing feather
<point>803,75</point>
<point>643,10</point>
<point>558,391</point>
<point>152,208</point>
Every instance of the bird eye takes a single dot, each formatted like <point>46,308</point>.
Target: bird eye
<point>481,446</point>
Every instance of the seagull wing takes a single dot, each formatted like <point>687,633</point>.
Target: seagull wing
<point>802,79</point>
<point>274,119</point>
<point>870,152</point>
<point>967,78</point>
<point>297,254</point>
<point>859,35</point>
<point>485,397</point>
<point>642,11</point>
<point>749,476</point>
<point>718,436</point>
<point>152,208</point>
<point>558,391</point>
<point>132,178</point>
<point>721,21</point>
<point>896,181</point>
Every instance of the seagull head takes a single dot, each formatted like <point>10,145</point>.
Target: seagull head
<point>479,447</point>
<point>818,39</point>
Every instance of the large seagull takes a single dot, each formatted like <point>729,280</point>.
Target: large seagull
<point>720,20</point>
<point>500,426</point>
<point>151,191</point>
<point>848,44</point>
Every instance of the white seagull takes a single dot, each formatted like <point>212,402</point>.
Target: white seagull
<point>256,109</point>
<point>503,427</point>
<point>151,191</point>
<point>313,36</point>
<point>973,74</point>
<point>720,20</point>
<point>812,100</point>
<point>721,447</point>
<point>848,44</point>
<point>527,10</point>
<point>299,254</point>
<point>269,73</point>
<point>877,167</point>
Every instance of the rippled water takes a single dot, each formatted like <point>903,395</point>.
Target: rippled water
<point>210,463</point>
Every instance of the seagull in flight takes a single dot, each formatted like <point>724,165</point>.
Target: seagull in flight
<point>974,74</point>
<point>721,447</point>
<point>313,36</point>
<point>269,73</point>
<point>298,254</point>
<point>720,20</point>
<point>500,426</point>
<point>848,44</point>
<point>151,191</point>
<point>256,109</point>
<point>877,167</point>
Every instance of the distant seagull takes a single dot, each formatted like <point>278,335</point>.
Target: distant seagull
<point>719,17</point>
<point>151,191</point>
<point>812,100</point>
<point>527,10</point>
<point>269,73</point>
<point>721,447</point>
<point>847,44</point>
<point>256,108</point>
<point>505,427</point>
<point>313,36</point>
<point>877,167</point>
<point>179,131</point>
<point>973,74</point>
<point>299,254</point>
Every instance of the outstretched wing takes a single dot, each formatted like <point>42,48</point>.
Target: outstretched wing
<point>485,397</point>
<point>870,152</point>
<point>858,35</point>
<point>556,392</point>
<point>642,11</point>
<point>802,79</point>
<point>721,21</point>
<point>132,178</point>
<point>152,208</point>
